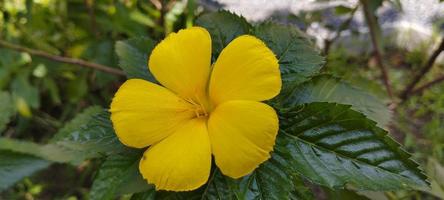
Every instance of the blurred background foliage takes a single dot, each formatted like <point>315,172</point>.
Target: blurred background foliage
<point>38,95</point>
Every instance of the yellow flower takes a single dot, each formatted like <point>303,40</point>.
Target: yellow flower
<point>201,110</point>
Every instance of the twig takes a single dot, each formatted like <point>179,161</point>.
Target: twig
<point>421,89</point>
<point>426,68</point>
<point>74,61</point>
<point>341,28</point>
<point>377,46</point>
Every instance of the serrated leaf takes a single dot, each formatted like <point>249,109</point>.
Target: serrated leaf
<point>114,173</point>
<point>6,109</point>
<point>79,120</point>
<point>269,181</point>
<point>16,166</point>
<point>325,88</point>
<point>333,145</point>
<point>148,195</point>
<point>96,138</point>
<point>223,27</point>
<point>297,55</point>
<point>133,57</point>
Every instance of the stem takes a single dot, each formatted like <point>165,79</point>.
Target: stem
<point>420,89</point>
<point>426,68</point>
<point>344,25</point>
<point>377,46</point>
<point>73,61</point>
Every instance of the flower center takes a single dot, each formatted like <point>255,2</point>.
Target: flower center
<point>199,108</point>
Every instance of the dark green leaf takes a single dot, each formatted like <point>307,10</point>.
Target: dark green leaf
<point>374,4</point>
<point>148,195</point>
<point>96,138</point>
<point>133,57</point>
<point>114,173</point>
<point>223,27</point>
<point>79,120</point>
<point>6,109</point>
<point>326,88</point>
<point>297,55</point>
<point>333,145</point>
<point>345,195</point>
<point>16,166</point>
<point>269,181</point>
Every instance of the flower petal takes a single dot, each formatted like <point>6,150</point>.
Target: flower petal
<point>181,62</point>
<point>242,134</point>
<point>182,161</point>
<point>143,113</point>
<point>245,70</point>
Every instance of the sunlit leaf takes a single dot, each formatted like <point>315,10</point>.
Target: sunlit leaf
<point>334,146</point>
<point>326,88</point>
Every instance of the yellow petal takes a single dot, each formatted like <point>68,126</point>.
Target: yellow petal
<point>182,161</point>
<point>245,70</point>
<point>143,113</point>
<point>242,135</point>
<point>181,62</point>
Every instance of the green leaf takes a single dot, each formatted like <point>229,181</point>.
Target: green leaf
<point>16,166</point>
<point>223,27</point>
<point>326,88</point>
<point>79,120</point>
<point>148,195</point>
<point>269,181</point>
<point>333,145</point>
<point>133,57</point>
<point>50,152</point>
<point>341,10</point>
<point>114,173</point>
<point>297,55</point>
<point>6,109</point>
<point>95,139</point>
<point>345,195</point>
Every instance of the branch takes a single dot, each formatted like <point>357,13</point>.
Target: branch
<point>421,89</point>
<point>375,38</point>
<point>344,25</point>
<point>426,68</point>
<point>74,61</point>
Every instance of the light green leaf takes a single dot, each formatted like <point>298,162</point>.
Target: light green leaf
<point>133,57</point>
<point>115,173</point>
<point>50,152</point>
<point>333,145</point>
<point>326,88</point>
<point>16,166</point>
<point>6,109</point>
<point>297,55</point>
<point>223,27</point>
